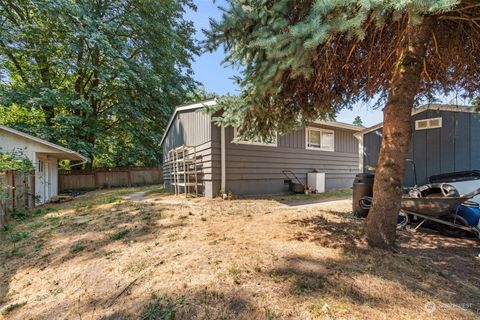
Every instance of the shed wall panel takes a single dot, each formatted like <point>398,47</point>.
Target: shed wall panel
<point>447,146</point>
<point>453,147</point>
<point>462,141</point>
<point>475,141</point>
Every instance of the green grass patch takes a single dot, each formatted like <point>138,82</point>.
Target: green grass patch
<point>108,196</point>
<point>20,214</point>
<point>19,236</point>
<point>156,190</point>
<point>162,309</point>
<point>13,307</point>
<point>6,227</point>
<point>77,247</point>
<point>15,252</point>
<point>119,235</point>
<point>305,285</point>
<point>103,197</point>
<point>54,221</point>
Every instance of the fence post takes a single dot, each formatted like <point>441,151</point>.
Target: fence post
<point>60,180</point>
<point>25,190</point>
<point>34,195</point>
<point>160,175</point>
<point>95,178</point>
<point>129,178</point>
<point>14,194</point>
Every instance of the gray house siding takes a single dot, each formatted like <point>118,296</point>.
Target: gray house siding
<point>253,169</point>
<point>453,147</point>
<point>192,128</point>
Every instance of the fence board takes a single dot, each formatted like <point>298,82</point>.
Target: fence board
<point>107,178</point>
<point>16,192</point>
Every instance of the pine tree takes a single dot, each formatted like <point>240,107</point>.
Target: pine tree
<point>304,59</point>
<point>358,121</point>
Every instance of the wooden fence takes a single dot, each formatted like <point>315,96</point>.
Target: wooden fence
<point>17,191</point>
<point>108,177</point>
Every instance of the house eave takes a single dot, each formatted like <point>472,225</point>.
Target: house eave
<point>63,153</point>
<point>340,125</point>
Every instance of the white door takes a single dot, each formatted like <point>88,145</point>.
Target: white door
<point>46,184</point>
<point>40,181</point>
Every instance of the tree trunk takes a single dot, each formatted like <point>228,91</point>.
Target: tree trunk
<point>396,136</point>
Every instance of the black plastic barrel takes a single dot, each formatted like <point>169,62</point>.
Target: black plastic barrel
<point>362,186</point>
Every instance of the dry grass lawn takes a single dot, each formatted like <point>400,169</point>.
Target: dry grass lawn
<point>104,257</point>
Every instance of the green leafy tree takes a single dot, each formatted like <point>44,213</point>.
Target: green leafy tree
<point>303,60</point>
<point>15,161</point>
<point>358,121</point>
<point>100,77</point>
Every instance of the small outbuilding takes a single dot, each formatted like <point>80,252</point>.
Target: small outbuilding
<point>445,139</point>
<point>225,164</point>
<point>43,154</point>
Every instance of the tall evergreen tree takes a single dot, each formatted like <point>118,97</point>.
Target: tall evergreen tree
<point>98,76</point>
<point>358,121</point>
<point>305,59</point>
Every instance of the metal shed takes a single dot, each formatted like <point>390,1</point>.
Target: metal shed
<point>445,139</point>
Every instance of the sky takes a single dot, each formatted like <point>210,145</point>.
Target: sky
<point>217,78</point>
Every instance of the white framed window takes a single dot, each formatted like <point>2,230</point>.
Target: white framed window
<point>272,142</point>
<point>319,139</point>
<point>431,123</point>
<point>41,166</point>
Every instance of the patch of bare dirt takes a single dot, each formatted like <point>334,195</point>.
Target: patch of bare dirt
<point>215,259</point>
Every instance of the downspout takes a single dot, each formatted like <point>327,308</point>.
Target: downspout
<point>223,168</point>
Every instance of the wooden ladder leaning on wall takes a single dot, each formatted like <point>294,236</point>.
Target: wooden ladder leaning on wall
<point>184,170</point>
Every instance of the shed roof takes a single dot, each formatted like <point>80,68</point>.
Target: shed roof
<point>433,106</point>
<point>63,152</point>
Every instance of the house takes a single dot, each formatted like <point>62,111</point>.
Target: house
<point>253,167</point>
<point>43,154</point>
<point>445,139</point>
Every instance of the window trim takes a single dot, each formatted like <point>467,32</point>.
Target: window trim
<point>428,123</point>
<point>41,166</point>
<point>307,129</point>
<point>235,134</point>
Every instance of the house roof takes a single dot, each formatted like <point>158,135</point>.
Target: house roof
<point>212,102</point>
<point>435,107</point>
<point>341,125</point>
<point>64,152</point>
